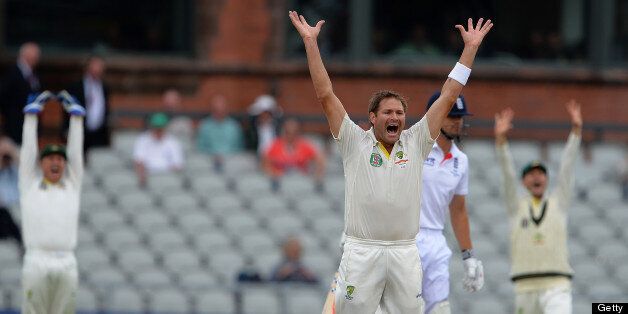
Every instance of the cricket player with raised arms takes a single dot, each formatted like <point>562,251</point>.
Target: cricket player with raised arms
<point>538,221</point>
<point>50,185</point>
<point>380,264</point>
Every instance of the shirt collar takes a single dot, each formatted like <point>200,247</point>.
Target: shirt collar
<point>24,68</point>
<point>45,184</point>
<point>371,134</point>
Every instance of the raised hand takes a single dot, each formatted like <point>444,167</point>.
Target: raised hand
<point>304,29</point>
<point>36,102</point>
<point>503,122</point>
<point>573,108</point>
<point>474,36</point>
<point>70,104</point>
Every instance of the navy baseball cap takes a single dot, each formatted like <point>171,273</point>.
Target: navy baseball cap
<point>531,166</point>
<point>458,110</point>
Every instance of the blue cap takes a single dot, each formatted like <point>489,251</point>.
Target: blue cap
<point>458,110</point>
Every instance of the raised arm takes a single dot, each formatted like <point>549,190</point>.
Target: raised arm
<point>28,152</point>
<point>75,134</point>
<point>503,123</point>
<point>334,111</point>
<point>566,171</point>
<point>472,38</point>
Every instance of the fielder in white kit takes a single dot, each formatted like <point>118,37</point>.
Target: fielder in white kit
<point>50,207</point>
<point>445,185</point>
<point>380,263</point>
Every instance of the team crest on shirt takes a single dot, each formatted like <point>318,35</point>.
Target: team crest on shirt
<point>376,160</point>
<point>350,290</point>
<point>402,159</point>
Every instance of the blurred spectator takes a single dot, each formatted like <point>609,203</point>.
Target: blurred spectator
<point>219,134</point>
<point>9,194</point>
<point>93,93</point>
<point>417,45</point>
<point>156,151</point>
<point>180,125</point>
<point>18,82</point>
<point>291,269</point>
<point>249,272</point>
<point>264,115</point>
<point>292,152</point>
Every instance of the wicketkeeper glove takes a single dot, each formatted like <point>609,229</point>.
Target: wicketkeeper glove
<point>473,274</point>
<point>36,102</point>
<point>70,104</point>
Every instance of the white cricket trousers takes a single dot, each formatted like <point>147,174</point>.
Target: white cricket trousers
<point>379,273</point>
<point>435,256</point>
<point>549,301</point>
<point>49,282</point>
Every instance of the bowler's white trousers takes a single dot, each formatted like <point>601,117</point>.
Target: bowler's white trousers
<point>376,273</point>
<point>49,282</point>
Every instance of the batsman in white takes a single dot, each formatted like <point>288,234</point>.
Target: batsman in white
<point>380,263</point>
<point>538,221</point>
<point>49,198</point>
<point>445,185</point>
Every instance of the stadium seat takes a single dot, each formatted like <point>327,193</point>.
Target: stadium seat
<point>93,199</point>
<point>223,205</point>
<point>120,182</point>
<point>91,258</point>
<point>10,275</point>
<point>151,221</point>
<point>226,264</point>
<point>177,202</point>
<point>284,226</point>
<point>216,302</point>
<point>124,300</point>
<point>193,222</point>
<point>296,185</point>
<point>253,244</point>
<point>106,277</point>
<point>303,300</point>
<point>152,279</point>
<point>197,163</point>
<point>131,202</point>
<point>167,240</point>
<point>312,207</point>
<point>106,219</point>
<point>165,184</point>
<point>102,160</point>
<point>593,233</point>
<point>135,260</point>
<point>323,265</point>
<point>604,195</point>
<point>121,239</point>
<point>614,252</point>
<point>237,164</point>
<point>524,152</point>
<point>123,141</point>
<point>265,206</point>
<point>607,292</point>
<point>197,279</point>
<point>329,225</point>
<point>168,301</point>
<point>253,186</point>
<point>86,300</point>
<point>240,223</point>
<point>181,260</point>
<point>260,301</point>
<point>589,272</point>
<point>267,261</point>
<point>211,241</point>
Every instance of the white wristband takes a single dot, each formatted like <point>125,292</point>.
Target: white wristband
<point>460,73</point>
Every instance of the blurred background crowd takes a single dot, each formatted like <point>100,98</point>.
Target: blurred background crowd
<point>213,184</point>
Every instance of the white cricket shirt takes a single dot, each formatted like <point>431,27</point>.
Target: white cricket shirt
<point>50,212</point>
<point>383,195</point>
<point>444,175</point>
<point>158,155</point>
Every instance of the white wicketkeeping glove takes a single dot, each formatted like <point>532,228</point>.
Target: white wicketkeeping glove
<point>473,274</point>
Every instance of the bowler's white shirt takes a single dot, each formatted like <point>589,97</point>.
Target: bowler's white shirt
<point>158,155</point>
<point>50,212</point>
<point>383,196</point>
<point>443,177</point>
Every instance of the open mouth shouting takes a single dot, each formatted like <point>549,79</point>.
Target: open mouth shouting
<point>392,128</point>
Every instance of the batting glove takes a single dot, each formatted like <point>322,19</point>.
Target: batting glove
<point>473,274</point>
<point>36,102</point>
<point>70,104</point>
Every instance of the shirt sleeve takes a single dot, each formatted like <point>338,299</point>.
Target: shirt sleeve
<point>566,172</point>
<point>28,153</point>
<point>420,133</point>
<point>139,153</point>
<point>178,159</point>
<point>508,173</point>
<point>75,149</point>
<point>349,137</point>
<point>203,142</point>
<point>463,185</point>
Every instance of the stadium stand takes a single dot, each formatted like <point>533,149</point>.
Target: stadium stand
<point>178,246</point>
